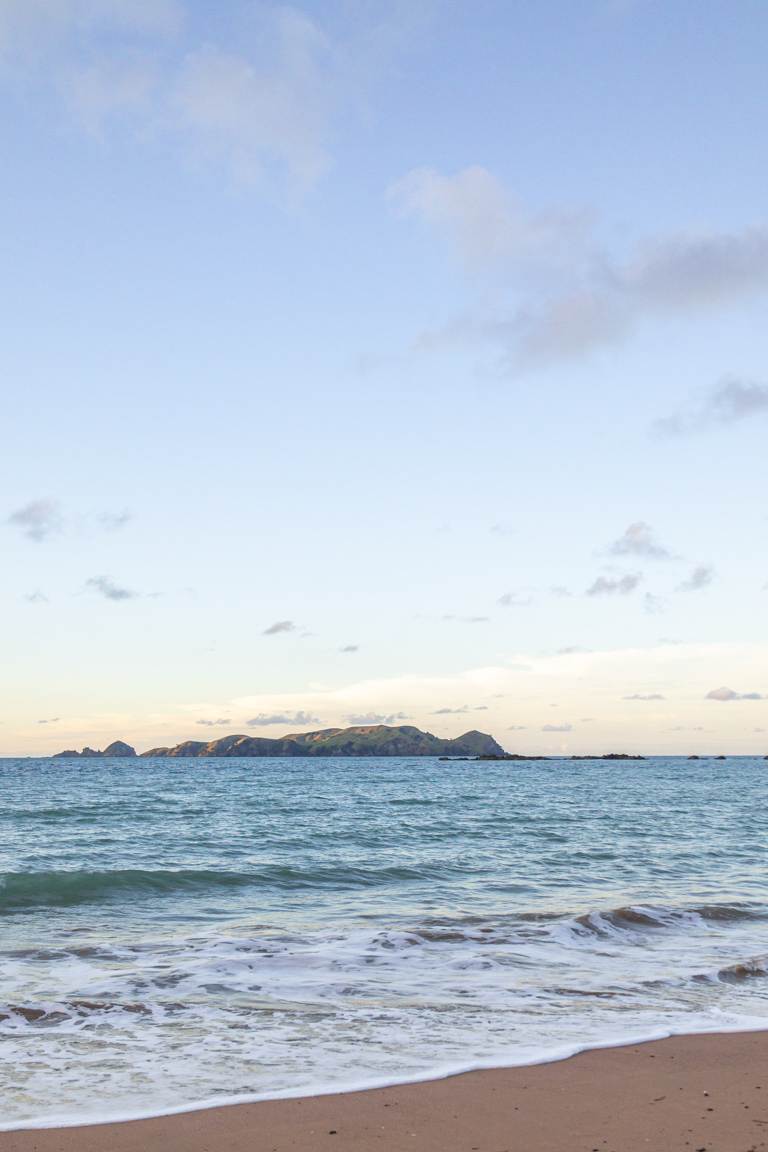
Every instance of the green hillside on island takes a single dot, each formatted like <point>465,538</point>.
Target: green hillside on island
<point>361,740</point>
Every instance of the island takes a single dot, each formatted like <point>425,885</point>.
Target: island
<point>360,740</point>
<point>116,748</point>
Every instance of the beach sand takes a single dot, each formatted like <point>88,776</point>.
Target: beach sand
<point>687,1093</point>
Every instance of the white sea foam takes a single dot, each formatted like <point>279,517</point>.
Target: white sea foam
<point>213,1021</point>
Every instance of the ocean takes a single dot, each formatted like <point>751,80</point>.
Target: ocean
<point>178,932</point>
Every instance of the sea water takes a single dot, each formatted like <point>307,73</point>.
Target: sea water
<point>175,932</point>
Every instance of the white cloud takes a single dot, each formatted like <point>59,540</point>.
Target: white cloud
<point>514,600</point>
<point>36,597</point>
<point>107,588</point>
<point>261,108</point>
<point>363,719</point>
<point>261,119</point>
<point>638,540</point>
<point>450,617</point>
<point>701,577</point>
<point>32,26</point>
<point>731,401</point>
<point>279,627</point>
<point>297,719</point>
<point>113,521</point>
<point>728,694</point>
<point>614,585</point>
<point>38,520</point>
<point>564,294</point>
<point>103,89</point>
<point>487,226</point>
<point>460,711</point>
<point>675,275</point>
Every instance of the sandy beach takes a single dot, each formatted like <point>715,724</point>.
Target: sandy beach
<point>693,1092</point>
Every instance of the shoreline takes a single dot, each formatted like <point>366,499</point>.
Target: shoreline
<point>700,1090</point>
<point>436,1075</point>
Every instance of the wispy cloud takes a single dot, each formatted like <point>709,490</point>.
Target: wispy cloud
<point>557,728</point>
<point>350,648</point>
<point>41,519</point>
<point>727,695</point>
<point>365,718</point>
<point>114,521</point>
<point>279,627</point>
<point>296,719</point>
<point>645,696</point>
<point>28,27</point>
<point>487,225</point>
<point>38,520</point>
<point>701,577</point>
<point>514,600</point>
<point>36,597</point>
<point>674,275</point>
<point>260,117</point>
<point>731,401</point>
<point>614,585</point>
<point>214,723</point>
<point>564,294</point>
<point>447,616</point>
<point>106,587</point>
<point>53,720</point>
<point>260,108</point>
<point>461,710</point>
<point>639,540</point>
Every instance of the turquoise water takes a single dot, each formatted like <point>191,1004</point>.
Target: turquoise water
<point>178,931</point>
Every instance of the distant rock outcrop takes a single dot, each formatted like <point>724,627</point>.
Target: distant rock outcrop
<point>363,740</point>
<point>116,748</point>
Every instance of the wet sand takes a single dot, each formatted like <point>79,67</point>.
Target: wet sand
<point>687,1093</point>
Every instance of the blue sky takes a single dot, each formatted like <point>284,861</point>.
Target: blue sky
<point>434,332</point>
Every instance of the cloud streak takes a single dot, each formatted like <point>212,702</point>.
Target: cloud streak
<point>615,585</point>
<point>565,295</point>
<point>106,587</point>
<point>638,540</point>
<point>464,708</point>
<point>279,627</point>
<point>731,401</point>
<point>701,577</point>
<point>296,719</point>
<point>514,600</point>
<point>362,719</point>
<point>261,118</point>
<point>38,520</point>
<point>261,109</point>
<point>726,695</point>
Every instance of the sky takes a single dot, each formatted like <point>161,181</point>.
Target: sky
<point>371,361</point>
